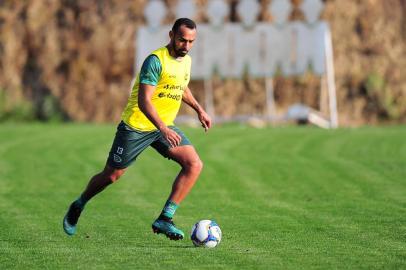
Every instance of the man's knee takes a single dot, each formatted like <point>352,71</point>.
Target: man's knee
<point>187,157</point>
<point>113,174</point>
<point>194,164</point>
<point>116,175</point>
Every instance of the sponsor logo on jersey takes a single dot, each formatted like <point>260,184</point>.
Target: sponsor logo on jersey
<point>174,87</point>
<point>169,95</point>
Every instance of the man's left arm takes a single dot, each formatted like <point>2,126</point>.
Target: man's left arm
<point>190,100</point>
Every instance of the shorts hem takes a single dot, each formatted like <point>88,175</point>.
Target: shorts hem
<point>114,166</point>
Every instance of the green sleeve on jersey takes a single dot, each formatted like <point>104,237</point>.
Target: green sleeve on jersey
<point>151,70</point>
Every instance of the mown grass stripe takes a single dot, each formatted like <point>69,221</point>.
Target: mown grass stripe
<point>285,198</point>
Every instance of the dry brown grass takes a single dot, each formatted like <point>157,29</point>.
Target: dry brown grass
<point>82,53</point>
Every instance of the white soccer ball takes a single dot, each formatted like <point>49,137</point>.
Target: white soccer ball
<point>206,233</point>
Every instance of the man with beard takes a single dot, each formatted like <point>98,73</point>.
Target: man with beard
<point>147,120</point>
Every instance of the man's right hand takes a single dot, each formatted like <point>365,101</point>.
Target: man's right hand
<point>171,136</point>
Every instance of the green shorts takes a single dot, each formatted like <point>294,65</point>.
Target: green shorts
<point>129,143</point>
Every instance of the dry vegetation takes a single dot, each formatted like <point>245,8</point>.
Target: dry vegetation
<point>75,59</point>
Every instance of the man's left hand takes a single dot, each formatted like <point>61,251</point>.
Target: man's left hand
<point>205,120</point>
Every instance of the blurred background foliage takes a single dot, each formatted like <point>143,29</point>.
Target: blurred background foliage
<point>73,60</point>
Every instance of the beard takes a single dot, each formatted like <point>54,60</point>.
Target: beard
<point>178,51</point>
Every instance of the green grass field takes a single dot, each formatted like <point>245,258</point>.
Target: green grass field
<point>285,198</point>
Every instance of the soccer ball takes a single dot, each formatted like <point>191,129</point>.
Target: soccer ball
<point>206,233</point>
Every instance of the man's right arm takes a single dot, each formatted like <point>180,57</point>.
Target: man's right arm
<point>149,77</point>
<point>145,93</point>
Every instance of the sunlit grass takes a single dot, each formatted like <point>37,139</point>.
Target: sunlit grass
<point>285,198</point>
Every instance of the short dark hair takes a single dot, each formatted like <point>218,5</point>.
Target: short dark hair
<point>183,21</point>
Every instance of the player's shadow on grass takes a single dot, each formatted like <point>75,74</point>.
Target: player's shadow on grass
<point>184,246</point>
<point>173,245</point>
<point>170,245</point>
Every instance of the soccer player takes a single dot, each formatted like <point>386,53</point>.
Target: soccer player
<point>147,120</point>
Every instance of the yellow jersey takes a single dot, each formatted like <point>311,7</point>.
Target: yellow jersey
<point>172,78</point>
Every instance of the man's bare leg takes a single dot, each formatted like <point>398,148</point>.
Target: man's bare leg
<point>191,164</point>
<point>96,184</point>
